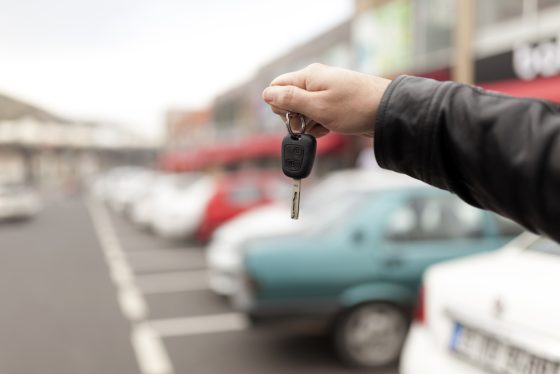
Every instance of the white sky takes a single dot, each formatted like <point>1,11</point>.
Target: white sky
<point>129,60</point>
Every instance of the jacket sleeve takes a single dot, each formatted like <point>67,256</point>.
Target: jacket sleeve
<point>494,151</point>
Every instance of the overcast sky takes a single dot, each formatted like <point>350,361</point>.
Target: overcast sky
<point>129,60</point>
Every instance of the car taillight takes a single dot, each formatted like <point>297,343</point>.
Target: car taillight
<point>420,310</point>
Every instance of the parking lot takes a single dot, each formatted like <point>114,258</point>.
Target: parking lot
<point>119,300</point>
<point>199,330</point>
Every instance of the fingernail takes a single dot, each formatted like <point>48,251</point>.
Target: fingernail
<point>269,95</point>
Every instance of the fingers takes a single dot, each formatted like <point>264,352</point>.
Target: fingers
<point>317,130</point>
<point>291,99</point>
<point>312,127</point>
<point>295,78</point>
<point>299,78</point>
<point>280,112</point>
<point>290,93</point>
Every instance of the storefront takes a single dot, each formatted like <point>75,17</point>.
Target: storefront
<point>528,70</point>
<point>257,151</point>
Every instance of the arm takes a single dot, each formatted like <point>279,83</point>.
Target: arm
<point>496,152</point>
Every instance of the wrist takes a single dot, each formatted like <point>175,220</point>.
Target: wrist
<point>378,87</point>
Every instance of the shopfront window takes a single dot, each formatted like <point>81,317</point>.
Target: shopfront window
<point>434,25</point>
<point>496,11</point>
<point>545,4</point>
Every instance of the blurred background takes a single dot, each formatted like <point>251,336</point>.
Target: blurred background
<point>144,219</point>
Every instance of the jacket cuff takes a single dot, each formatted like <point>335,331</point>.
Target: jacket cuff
<point>404,131</point>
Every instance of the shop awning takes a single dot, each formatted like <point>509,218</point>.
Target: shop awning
<point>254,147</point>
<point>541,88</point>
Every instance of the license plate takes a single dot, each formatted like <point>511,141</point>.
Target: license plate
<point>493,354</point>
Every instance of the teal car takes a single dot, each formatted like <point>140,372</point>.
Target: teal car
<point>360,266</point>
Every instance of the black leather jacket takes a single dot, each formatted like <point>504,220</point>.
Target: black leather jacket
<point>495,152</point>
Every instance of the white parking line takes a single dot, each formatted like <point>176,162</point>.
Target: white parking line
<point>200,324</point>
<point>150,352</point>
<point>173,282</point>
<point>152,249</point>
<point>132,304</point>
<point>153,260</point>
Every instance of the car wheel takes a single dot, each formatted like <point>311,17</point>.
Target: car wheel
<point>370,334</point>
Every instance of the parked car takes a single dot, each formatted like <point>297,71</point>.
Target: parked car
<point>239,192</point>
<point>115,185</point>
<point>104,184</point>
<point>492,313</point>
<point>178,214</point>
<point>164,190</point>
<point>18,201</point>
<point>359,267</point>
<point>225,251</point>
<point>129,188</point>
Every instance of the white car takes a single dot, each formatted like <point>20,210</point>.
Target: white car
<point>18,201</point>
<point>177,215</point>
<point>103,185</point>
<point>129,188</point>
<point>225,250</point>
<point>113,185</point>
<point>492,313</point>
<point>163,189</point>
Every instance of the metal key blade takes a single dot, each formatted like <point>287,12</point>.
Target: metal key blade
<point>296,184</point>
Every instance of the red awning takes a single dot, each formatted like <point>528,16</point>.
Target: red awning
<point>254,147</point>
<point>269,145</point>
<point>541,88</point>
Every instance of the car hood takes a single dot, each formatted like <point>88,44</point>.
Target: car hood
<point>512,291</point>
<point>265,221</point>
<point>182,205</point>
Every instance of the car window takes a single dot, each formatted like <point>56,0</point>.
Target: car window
<point>545,245</point>
<point>434,218</point>
<point>507,227</point>
<point>328,220</point>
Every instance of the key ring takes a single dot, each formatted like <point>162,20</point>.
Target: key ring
<point>289,116</point>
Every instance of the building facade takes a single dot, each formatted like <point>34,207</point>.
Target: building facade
<point>39,147</point>
<point>512,46</point>
<point>186,129</point>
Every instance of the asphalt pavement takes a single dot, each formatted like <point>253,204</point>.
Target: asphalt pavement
<point>59,313</point>
<point>84,291</point>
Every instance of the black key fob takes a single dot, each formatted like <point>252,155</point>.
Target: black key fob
<point>298,155</point>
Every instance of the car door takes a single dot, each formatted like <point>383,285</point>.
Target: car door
<point>428,227</point>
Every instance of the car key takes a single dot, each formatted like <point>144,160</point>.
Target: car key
<point>298,155</point>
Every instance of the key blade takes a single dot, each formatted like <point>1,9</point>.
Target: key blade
<point>295,198</point>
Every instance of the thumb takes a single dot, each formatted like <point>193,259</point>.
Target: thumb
<point>290,99</point>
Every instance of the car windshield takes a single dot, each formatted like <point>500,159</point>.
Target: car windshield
<point>545,245</point>
<point>338,207</point>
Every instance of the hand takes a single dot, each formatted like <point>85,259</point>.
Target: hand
<point>332,99</point>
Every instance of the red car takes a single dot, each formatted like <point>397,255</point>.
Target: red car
<point>239,192</point>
